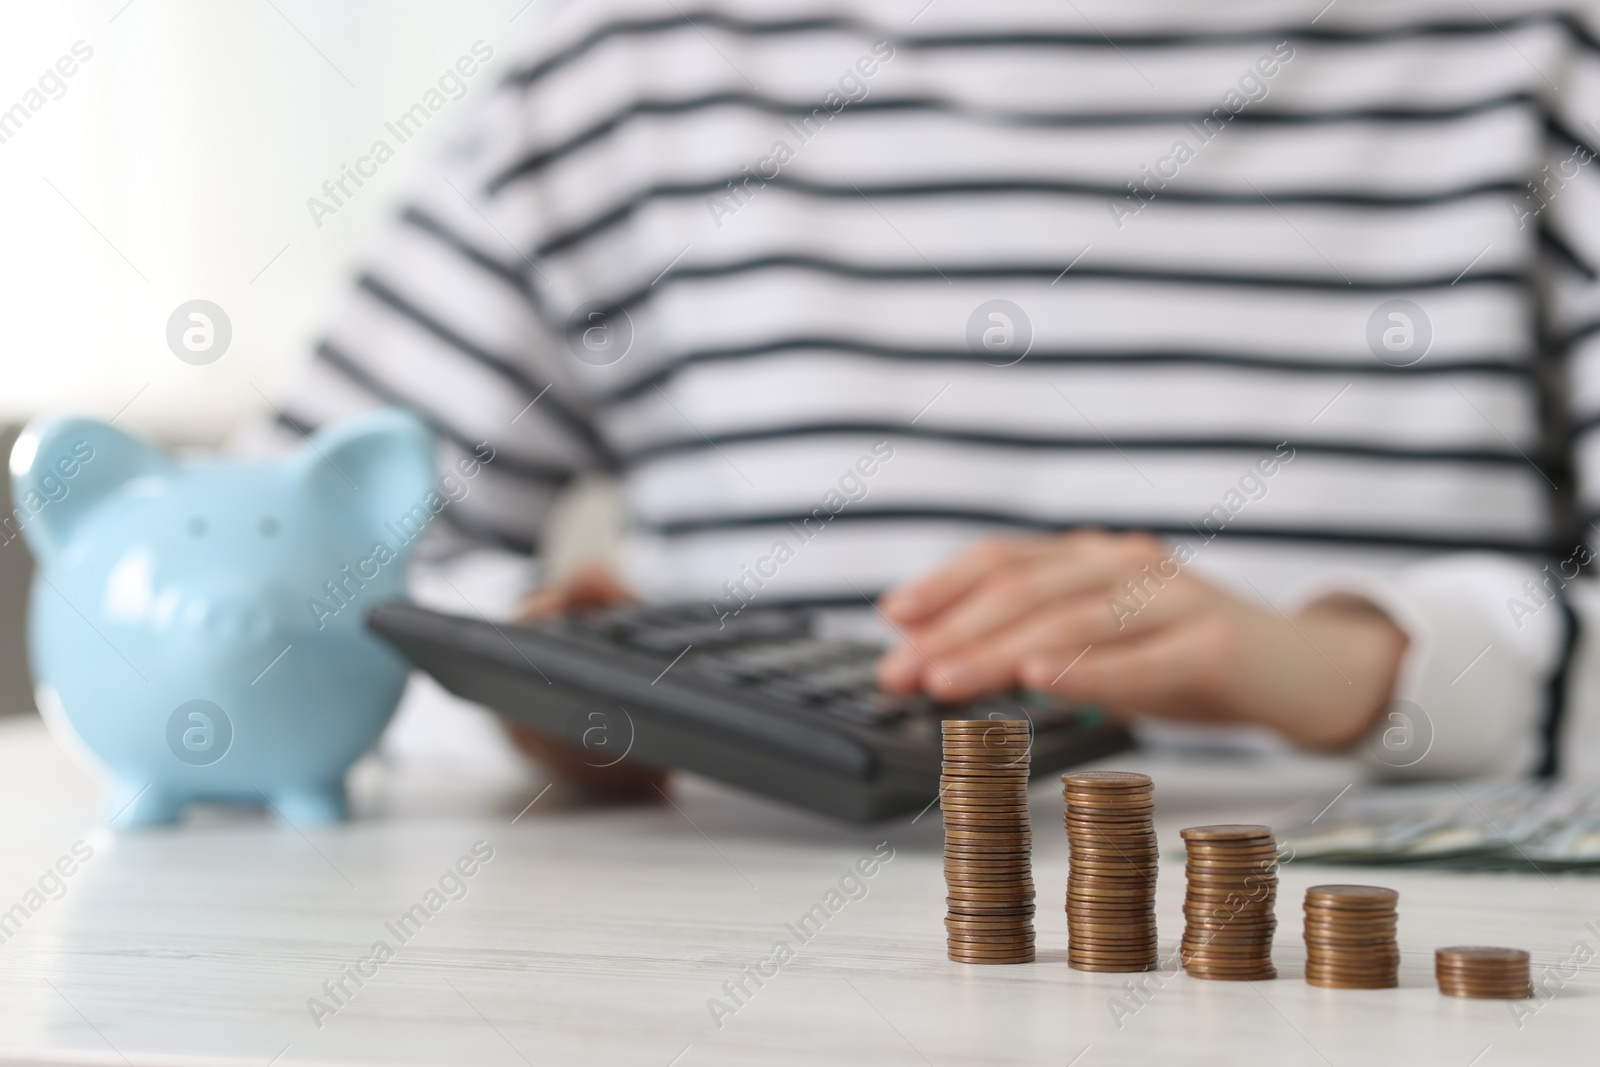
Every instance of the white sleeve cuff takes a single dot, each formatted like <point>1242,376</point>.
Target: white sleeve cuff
<point>1470,699</point>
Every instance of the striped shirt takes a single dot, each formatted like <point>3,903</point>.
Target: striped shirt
<point>836,288</point>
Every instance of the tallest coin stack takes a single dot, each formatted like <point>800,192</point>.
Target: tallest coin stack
<point>988,844</point>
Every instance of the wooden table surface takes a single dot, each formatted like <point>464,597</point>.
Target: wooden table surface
<point>603,937</point>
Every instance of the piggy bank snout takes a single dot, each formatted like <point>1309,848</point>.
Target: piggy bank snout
<point>244,618</point>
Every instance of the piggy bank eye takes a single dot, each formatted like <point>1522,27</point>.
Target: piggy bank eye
<point>268,526</point>
<point>197,527</point>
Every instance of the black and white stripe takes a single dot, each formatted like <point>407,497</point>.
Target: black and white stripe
<point>1169,355</point>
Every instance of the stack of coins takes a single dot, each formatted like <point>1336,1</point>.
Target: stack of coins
<point>1478,971</point>
<point>988,845</point>
<point>1111,890</point>
<point>1228,905</point>
<point>1350,937</point>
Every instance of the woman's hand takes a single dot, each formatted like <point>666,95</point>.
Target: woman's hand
<point>590,776</point>
<point>1114,620</point>
<point>591,585</point>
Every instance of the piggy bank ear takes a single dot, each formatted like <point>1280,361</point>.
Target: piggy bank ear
<point>61,469</point>
<point>376,467</point>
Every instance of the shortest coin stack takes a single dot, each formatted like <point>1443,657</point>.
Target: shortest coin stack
<point>1479,971</point>
<point>1229,903</point>
<point>1350,937</point>
<point>988,844</point>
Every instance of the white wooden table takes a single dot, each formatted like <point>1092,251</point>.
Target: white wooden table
<point>599,938</point>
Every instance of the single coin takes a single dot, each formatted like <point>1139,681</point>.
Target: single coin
<point>1257,950</point>
<point>1106,802</point>
<point>989,877</point>
<point>999,774</point>
<point>1007,942</point>
<point>1267,865</point>
<point>1333,983</point>
<point>1090,816</point>
<point>1325,948</point>
<point>1096,891</point>
<point>979,804</point>
<point>958,841</point>
<point>985,820</point>
<point>985,803</point>
<point>1132,880</point>
<point>1362,969</point>
<point>1225,935</point>
<point>1126,874</point>
<point>1227,946</point>
<point>1081,913</point>
<point>1351,973</point>
<point>994,790</point>
<point>1227,859</point>
<point>1373,980</point>
<point>990,936</point>
<point>1016,915</point>
<point>1080,826</point>
<point>1226,832</point>
<point>1001,892</point>
<point>1131,804</point>
<point>1106,779</point>
<point>1229,851</point>
<point>993,924</point>
<point>962,957</point>
<point>1249,894</point>
<point>1106,841</point>
<point>1257,958</point>
<point>1482,956</point>
<point>991,948</point>
<point>1266,974</point>
<point>1351,896</point>
<point>972,731</point>
<point>1135,961</point>
<point>999,881</point>
<point>1222,886</point>
<point>1209,857</point>
<point>1145,852</point>
<point>1261,925</point>
<point>1337,935</point>
<point>1103,935</point>
<point>1484,974</point>
<point>1206,920</point>
<point>1369,927</point>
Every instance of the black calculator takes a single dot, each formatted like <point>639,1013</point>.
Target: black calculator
<point>767,700</point>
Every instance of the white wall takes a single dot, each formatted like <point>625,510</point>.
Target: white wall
<point>190,141</point>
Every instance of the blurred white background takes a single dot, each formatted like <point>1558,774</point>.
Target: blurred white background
<point>176,165</point>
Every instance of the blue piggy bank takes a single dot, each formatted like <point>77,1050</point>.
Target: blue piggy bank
<point>198,623</point>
